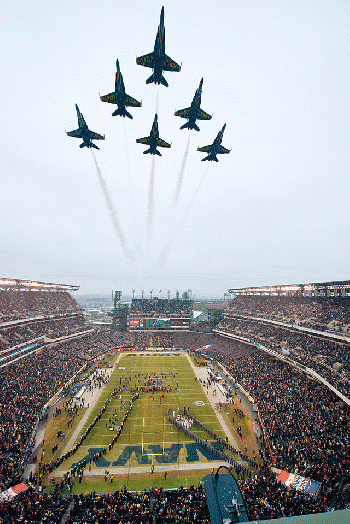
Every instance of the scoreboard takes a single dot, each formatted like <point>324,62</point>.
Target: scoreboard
<point>158,323</point>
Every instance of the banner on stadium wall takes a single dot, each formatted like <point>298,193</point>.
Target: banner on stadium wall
<point>291,480</point>
<point>11,493</point>
<point>202,348</point>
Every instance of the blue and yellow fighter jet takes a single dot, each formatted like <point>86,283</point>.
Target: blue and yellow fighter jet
<point>153,141</point>
<point>158,60</point>
<point>215,148</point>
<point>119,96</point>
<point>194,112</point>
<point>84,132</point>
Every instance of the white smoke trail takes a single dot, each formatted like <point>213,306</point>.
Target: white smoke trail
<point>157,100</point>
<point>137,245</point>
<point>165,251</point>
<point>150,204</point>
<point>113,213</point>
<point>181,174</point>
<point>128,165</point>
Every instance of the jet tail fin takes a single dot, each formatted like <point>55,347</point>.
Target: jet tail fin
<point>163,81</point>
<point>150,79</point>
<point>94,145</point>
<point>154,152</point>
<point>153,79</point>
<point>210,157</point>
<point>122,112</point>
<point>187,125</point>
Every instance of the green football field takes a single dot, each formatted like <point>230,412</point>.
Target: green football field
<point>148,438</point>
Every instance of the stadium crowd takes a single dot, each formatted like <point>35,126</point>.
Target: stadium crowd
<point>20,333</point>
<point>26,386</point>
<point>265,498</point>
<point>306,426</point>
<point>176,506</point>
<point>330,359</point>
<point>159,306</point>
<point>17,304</point>
<point>320,313</point>
<point>34,506</point>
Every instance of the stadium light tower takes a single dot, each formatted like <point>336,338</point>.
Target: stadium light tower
<point>168,294</point>
<point>133,294</point>
<point>151,293</point>
<point>142,292</point>
<point>159,292</point>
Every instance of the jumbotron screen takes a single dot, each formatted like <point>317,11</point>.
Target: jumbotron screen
<point>137,323</point>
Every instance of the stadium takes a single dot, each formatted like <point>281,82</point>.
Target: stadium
<point>132,422</point>
<point>195,148</point>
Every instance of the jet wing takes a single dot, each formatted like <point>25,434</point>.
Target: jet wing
<point>146,60</point>
<point>96,136</point>
<point>145,140</point>
<point>130,101</point>
<point>162,143</point>
<point>76,133</point>
<point>222,150</point>
<point>183,112</point>
<point>111,98</point>
<point>205,149</point>
<point>170,65</point>
<point>202,115</point>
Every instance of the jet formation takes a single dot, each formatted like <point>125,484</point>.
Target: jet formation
<point>153,141</point>
<point>159,62</point>
<point>194,112</point>
<point>119,97</point>
<point>215,148</point>
<point>84,132</point>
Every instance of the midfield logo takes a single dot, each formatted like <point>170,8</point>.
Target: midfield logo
<point>169,456</point>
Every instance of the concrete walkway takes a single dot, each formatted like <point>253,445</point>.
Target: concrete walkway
<point>157,468</point>
<point>214,396</point>
<point>90,397</point>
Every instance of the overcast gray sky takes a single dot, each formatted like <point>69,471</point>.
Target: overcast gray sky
<point>273,211</point>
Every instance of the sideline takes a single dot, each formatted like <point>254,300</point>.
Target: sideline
<point>91,399</point>
<point>202,373</point>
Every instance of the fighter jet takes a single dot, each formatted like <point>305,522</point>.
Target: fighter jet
<point>120,97</point>
<point>158,60</point>
<point>153,141</point>
<point>84,132</point>
<point>194,112</point>
<point>215,148</point>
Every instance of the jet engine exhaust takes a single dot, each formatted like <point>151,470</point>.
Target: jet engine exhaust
<point>112,212</point>
<point>165,251</point>
<point>181,174</point>
<point>150,203</point>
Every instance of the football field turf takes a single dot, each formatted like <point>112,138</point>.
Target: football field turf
<point>147,437</point>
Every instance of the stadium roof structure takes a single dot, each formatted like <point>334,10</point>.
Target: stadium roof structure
<point>334,288</point>
<point>8,283</point>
